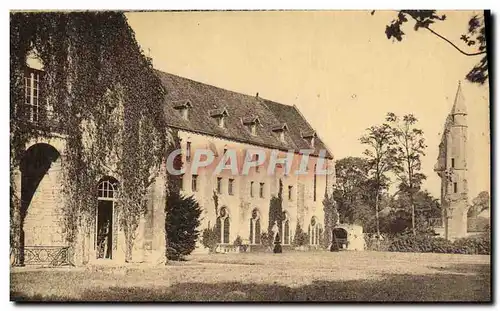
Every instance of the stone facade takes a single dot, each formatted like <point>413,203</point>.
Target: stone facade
<point>452,169</point>
<point>299,202</point>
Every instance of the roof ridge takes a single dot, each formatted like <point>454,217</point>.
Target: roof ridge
<point>220,88</point>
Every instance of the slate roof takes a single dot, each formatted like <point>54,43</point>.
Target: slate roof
<point>207,99</point>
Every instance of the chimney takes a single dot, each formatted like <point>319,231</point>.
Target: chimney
<point>257,95</point>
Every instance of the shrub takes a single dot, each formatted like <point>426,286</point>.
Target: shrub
<point>181,223</point>
<point>266,239</point>
<point>374,244</point>
<point>301,238</point>
<point>238,241</point>
<point>210,239</point>
<point>479,245</point>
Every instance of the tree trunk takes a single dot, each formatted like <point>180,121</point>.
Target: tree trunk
<point>377,219</point>
<point>376,213</point>
<point>129,244</point>
<point>412,212</point>
<point>129,239</point>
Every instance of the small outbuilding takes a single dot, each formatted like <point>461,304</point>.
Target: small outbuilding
<point>349,237</point>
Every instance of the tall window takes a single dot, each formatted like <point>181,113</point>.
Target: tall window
<point>194,183</point>
<point>315,231</point>
<point>219,185</point>
<point>255,227</point>
<point>257,160</point>
<point>455,187</point>
<point>230,186</point>
<point>290,191</point>
<point>314,183</point>
<point>286,229</point>
<point>32,94</point>
<point>452,162</point>
<point>251,189</point>
<point>188,151</point>
<point>223,224</point>
<point>261,190</point>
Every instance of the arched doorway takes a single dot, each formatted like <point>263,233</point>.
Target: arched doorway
<point>38,221</point>
<point>107,194</point>
<point>255,227</point>
<point>339,235</point>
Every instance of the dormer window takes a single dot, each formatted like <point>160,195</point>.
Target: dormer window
<point>309,137</point>
<point>220,116</point>
<point>280,131</point>
<point>251,124</point>
<point>183,107</point>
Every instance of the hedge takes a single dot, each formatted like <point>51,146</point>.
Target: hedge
<point>424,243</point>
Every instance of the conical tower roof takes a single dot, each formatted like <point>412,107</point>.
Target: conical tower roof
<point>459,105</point>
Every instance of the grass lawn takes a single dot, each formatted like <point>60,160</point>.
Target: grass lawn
<point>292,276</point>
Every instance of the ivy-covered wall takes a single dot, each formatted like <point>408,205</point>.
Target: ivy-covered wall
<point>107,103</point>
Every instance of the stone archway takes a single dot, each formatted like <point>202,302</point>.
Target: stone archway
<point>41,235</point>
<point>339,236</point>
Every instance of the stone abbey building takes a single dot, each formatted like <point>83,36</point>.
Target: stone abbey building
<point>203,117</point>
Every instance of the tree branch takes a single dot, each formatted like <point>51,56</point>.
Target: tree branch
<point>445,39</point>
<point>452,44</point>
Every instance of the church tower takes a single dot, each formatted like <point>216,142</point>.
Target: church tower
<point>452,168</point>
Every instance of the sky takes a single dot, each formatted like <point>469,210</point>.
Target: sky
<point>337,67</point>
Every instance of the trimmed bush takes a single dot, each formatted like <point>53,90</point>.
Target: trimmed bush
<point>265,239</point>
<point>210,239</point>
<point>238,241</point>
<point>301,238</point>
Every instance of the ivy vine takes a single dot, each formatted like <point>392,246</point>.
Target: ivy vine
<point>106,101</point>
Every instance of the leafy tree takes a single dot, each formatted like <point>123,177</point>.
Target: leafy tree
<point>474,37</point>
<point>479,204</point>
<point>407,163</point>
<point>426,207</point>
<point>380,154</point>
<point>351,176</point>
<point>181,223</point>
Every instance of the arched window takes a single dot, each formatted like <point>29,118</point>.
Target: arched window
<point>315,231</point>
<point>255,227</point>
<point>107,189</point>
<point>285,226</point>
<point>223,222</point>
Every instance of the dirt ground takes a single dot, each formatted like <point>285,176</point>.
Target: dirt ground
<point>293,276</point>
